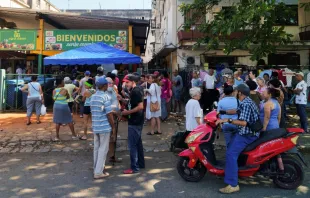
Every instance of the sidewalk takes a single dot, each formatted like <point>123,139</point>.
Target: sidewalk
<point>16,136</point>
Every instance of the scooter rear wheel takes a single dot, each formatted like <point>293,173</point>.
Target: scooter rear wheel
<point>293,174</point>
<point>192,175</point>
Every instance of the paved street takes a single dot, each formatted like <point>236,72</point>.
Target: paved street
<point>31,165</point>
<point>68,174</point>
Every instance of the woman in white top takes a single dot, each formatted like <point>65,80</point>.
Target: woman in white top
<point>153,96</point>
<point>34,98</point>
<point>193,110</point>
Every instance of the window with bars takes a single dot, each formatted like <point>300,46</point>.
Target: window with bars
<point>189,15</point>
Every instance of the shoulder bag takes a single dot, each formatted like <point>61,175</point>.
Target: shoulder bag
<point>257,125</point>
<point>154,106</point>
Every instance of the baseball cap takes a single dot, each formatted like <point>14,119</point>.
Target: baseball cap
<point>300,73</point>
<point>114,72</point>
<point>244,89</point>
<point>66,79</point>
<point>131,78</point>
<point>87,73</point>
<point>100,69</point>
<point>89,82</point>
<point>101,81</point>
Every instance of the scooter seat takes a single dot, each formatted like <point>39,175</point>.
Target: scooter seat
<point>265,137</point>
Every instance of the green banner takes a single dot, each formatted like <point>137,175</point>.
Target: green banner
<point>18,39</point>
<point>70,39</point>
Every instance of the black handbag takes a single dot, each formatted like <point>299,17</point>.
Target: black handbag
<point>256,126</point>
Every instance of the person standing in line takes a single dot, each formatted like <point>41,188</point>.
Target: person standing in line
<point>196,82</point>
<point>270,110</point>
<point>177,90</point>
<point>266,78</point>
<point>254,95</point>
<point>86,99</point>
<point>193,110</point>
<point>19,72</point>
<point>34,99</point>
<point>261,85</point>
<point>112,93</point>
<point>276,84</point>
<point>116,81</point>
<point>165,94</point>
<point>211,93</point>
<point>82,91</point>
<point>100,73</point>
<point>153,96</point>
<point>135,124</point>
<point>301,100</point>
<point>238,79</point>
<point>71,90</point>
<point>61,110</point>
<point>103,125</point>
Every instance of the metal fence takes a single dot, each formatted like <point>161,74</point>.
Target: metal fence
<point>13,99</point>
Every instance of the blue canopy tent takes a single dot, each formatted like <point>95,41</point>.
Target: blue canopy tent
<point>93,54</point>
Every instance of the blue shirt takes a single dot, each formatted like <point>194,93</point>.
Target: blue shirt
<point>249,113</point>
<point>196,82</point>
<point>238,82</point>
<point>100,105</point>
<point>177,79</point>
<point>228,103</point>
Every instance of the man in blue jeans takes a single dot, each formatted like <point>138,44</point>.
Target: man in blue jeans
<point>245,136</point>
<point>301,100</point>
<point>135,123</point>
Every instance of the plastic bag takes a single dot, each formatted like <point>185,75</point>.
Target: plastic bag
<point>43,110</point>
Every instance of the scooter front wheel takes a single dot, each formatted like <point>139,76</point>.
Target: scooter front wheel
<point>190,174</point>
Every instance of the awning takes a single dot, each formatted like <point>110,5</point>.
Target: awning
<point>12,55</point>
<point>93,54</point>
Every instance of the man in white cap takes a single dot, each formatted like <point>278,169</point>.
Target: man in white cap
<point>301,100</point>
<point>116,82</point>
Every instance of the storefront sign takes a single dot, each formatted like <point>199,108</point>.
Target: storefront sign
<point>70,39</point>
<point>18,39</point>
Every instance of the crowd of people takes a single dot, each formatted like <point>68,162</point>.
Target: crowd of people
<point>246,108</point>
<point>152,97</point>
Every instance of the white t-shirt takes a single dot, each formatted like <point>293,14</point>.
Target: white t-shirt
<point>193,111</point>
<point>302,97</point>
<point>210,81</point>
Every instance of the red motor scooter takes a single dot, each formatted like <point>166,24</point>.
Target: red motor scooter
<point>258,157</point>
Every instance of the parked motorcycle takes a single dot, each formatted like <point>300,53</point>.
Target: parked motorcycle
<point>260,157</point>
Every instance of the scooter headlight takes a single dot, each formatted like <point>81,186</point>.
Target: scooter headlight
<point>192,138</point>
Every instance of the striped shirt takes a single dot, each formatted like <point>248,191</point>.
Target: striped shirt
<point>60,99</point>
<point>100,105</point>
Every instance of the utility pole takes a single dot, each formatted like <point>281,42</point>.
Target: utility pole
<point>68,4</point>
<point>99,5</point>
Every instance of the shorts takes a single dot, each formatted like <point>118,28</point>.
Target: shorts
<point>70,106</point>
<point>177,95</point>
<point>86,110</point>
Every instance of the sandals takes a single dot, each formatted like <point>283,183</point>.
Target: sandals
<point>38,122</point>
<point>28,123</point>
<point>75,137</point>
<point>149,133</point>
<point>83,137</point>
<point>56,139</point>
<point>157,133</point>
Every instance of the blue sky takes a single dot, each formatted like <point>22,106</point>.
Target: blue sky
<point>105,4</point>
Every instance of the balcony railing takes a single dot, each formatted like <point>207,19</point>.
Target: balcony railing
<point>194,35</point>
<point>304,33</point>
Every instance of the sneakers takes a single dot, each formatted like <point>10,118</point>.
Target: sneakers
<point>103,175</point>
<point>229,189</point>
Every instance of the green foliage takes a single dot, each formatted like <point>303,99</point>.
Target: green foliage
<point>255,21</point>
<point>306,6</point>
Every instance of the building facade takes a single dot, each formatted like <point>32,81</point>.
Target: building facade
<point>45,5</point>
<point>173,46</point>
